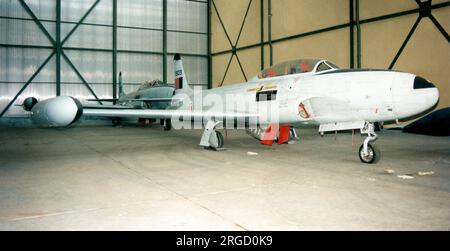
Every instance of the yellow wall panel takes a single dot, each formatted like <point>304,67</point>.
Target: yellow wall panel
<point>381,40</point>
<point>443,17</point>
<point>333,46</point>
<point>291,17</point>
<point>219,65</point>
<point>234,74</point>
<point>251,32</point>
<point>251,61</point>
<point>232,14</point>
<point>219,41</point>
<point>374,8</point>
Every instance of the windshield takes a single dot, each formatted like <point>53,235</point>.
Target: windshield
<point>151,83</point>
<point>295,67</point>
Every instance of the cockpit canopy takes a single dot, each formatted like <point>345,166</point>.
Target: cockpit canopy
<point>151,83</point>
<point>297,66</point>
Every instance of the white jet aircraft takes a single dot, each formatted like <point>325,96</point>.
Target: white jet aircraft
<point>286,95</point>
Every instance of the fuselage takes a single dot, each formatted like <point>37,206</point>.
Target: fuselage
<point>161,91</point>
<point>326,97</point>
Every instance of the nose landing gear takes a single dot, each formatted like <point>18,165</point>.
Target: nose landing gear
<point>368,153</point>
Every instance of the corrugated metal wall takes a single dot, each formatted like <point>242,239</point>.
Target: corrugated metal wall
<point>140,49</point>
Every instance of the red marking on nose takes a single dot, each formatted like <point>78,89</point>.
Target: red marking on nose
<point>303,112</point>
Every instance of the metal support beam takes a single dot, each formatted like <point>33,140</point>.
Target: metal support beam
<point>233,46</point>
<point>164,41</point>
<point>262,34</point>
<point>79,75</point>
<point>79,22</point>
<point>27,83</point>
<point>352,33</point>
<point>440,28</point>
<point>26,46</point>
<point>209,45</point>
<point>269,24</point>
<point>358,35</point>
<point>226,70</point>
<point>243,23</point>
<point>239,36</point>
<point>114,53</point>
<point>36,20</point>
<point>221,23</point>
<point>58,47</point>
<point>411,32</point>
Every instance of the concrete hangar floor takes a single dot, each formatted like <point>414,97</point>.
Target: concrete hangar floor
<point>96,177</point>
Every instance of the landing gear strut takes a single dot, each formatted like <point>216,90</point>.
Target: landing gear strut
<point>368,153</point>
<point>212,139</point>
<point>167,124</point>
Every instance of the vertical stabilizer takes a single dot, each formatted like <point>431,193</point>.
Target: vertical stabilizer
<point>180,75</point>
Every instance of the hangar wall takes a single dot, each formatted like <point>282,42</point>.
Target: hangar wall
<point>136,37</point>
<point>321,29</point>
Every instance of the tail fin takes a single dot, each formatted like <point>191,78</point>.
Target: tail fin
<point>121,92</point>
<point>180,76</point>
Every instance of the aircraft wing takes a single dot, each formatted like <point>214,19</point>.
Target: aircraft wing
<point>98,106</point>
<point>168,114</point>
<point>104,99</point>
<point>155,99</point>
<point>138,99</point>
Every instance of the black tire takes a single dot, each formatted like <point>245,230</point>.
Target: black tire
<point>220,140</point>
<point>167,125</point>
<point>377,126</point>
<point>116,122</point>
<point>374,154</point>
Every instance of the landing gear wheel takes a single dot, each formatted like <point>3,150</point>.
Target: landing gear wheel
<point>167,125</point>
<point>220,140</point>
<point>116,122</point>
<point>373,155</point>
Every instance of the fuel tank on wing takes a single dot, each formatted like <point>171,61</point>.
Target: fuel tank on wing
<point>56,112</point>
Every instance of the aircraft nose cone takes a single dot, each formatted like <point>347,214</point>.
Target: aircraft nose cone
<point>433,96</point>
<point>428,90</point>
<point>421,83</point>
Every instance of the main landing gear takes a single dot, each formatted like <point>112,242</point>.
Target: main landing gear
<point>212,139</point>
<point>167,124</point>
<point>368,153</point>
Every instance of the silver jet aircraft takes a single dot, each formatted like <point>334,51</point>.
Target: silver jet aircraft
<point>286,95</point>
